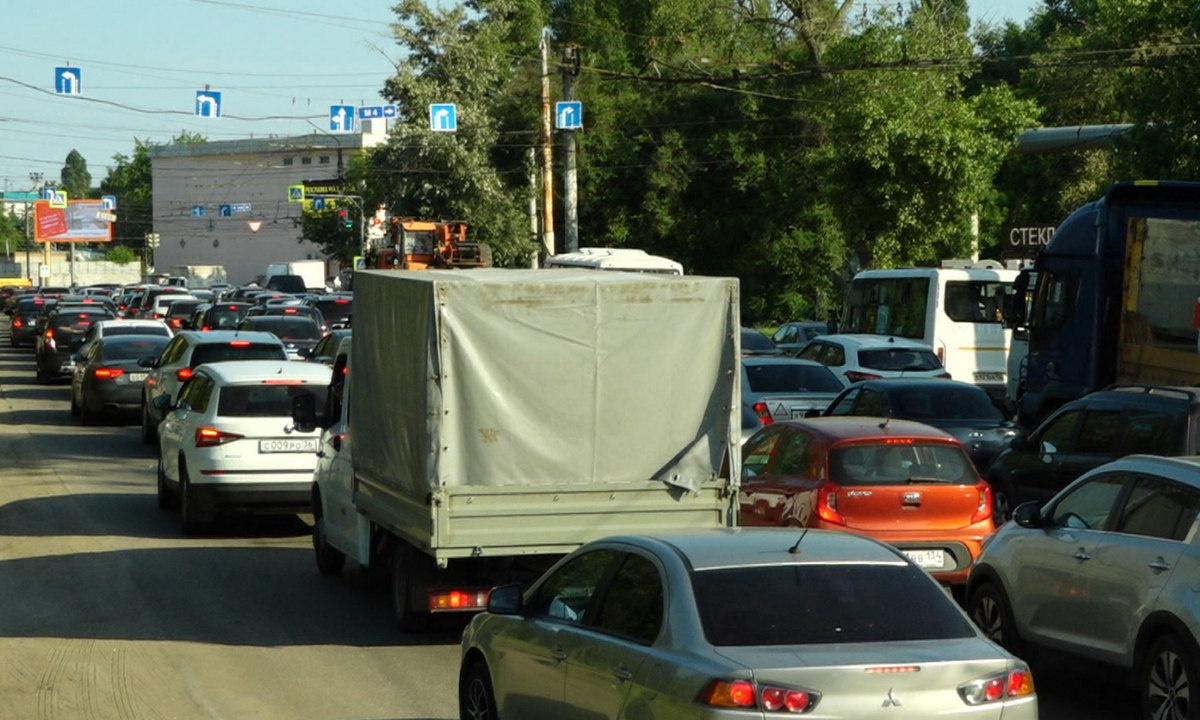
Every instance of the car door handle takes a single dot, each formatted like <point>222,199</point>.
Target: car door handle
<point>1160,564</point>
<point>622,673</point>
<point>559,655</point>
<point>1082,554</point>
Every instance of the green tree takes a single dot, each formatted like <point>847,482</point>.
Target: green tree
<point>129,179</point>
<point>327,229</point>
<point>76,179</point>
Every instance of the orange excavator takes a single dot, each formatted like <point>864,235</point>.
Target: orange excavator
<point>423,244</point>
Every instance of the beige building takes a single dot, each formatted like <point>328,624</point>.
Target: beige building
<point>226,202</point>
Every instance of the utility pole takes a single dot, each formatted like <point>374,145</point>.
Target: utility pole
<point>547,151</point>
<point>570,70</point>
<point>36,178</point>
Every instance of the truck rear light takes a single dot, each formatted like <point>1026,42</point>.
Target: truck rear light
<point>104,373</point>
<point>858,376</point>
<point>984,510</point>
<point>827,509</point>
<point>763,413</point>
<point>211,437</point>
<point>743,694</point>
<point>458,600</point>
<point>1014,683</point>
<point>183,374</point>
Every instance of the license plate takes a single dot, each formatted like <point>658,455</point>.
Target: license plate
<point>288,445</point>
<point>927,558</point>
<point>989,377</point>
<point>137,377</point>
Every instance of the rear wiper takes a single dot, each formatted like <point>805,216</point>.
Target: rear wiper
<point>931,480</point>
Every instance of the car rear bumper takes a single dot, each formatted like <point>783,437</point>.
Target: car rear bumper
<point>227,491</point>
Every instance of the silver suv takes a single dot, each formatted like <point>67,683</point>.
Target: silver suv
<point>1107,571</point>
<point>191,348</point>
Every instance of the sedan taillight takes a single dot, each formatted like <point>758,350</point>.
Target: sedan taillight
<point>827,508</point>
<point>211,437</point>
<point>743,694</point>
<point>858,376</point>
<point>984,510</point>
<point>763,413</point>
<point>183,374</point>
<point>1014,683</point>
<point>103,373</point>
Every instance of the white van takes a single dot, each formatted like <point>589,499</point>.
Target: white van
<point>958,311</point>
<point>626,259</point>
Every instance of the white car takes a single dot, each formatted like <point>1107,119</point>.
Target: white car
<point>855,357</point>
<point>228,442</point>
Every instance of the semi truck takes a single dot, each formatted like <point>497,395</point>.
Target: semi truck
<point>482,424</point>
<point>1112,297</point>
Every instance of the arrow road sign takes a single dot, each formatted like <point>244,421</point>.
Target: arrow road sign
<point>225,210</point>
<point>318,203</point>
<point>295,193</point>
<point>240,207</point>
<point>374,112</point>
<point>568,115</point>
<point>108,202</point>
<point>208,103</point>
<point>197,211</point>
<point>341,118</point>
<point>443,117</point>
<point>67,81</point>
<point>57,198</point>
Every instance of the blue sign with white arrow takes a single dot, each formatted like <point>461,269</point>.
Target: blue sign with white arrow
<point>225,210</point>
<point>341,118</point>
<point>208,103</point>
<point>568,115</point>
<point>108,203</point>
<point>318,203</point>
<point>443,117</point>
<point>197,211</point>
<point>68,80</point>
<point>375,112</point>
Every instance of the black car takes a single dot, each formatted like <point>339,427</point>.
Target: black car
<point>108,379</point>
<point>336,308</point>
<point>296,310</point>
<point>297,333</point>
<point>965,411</point>
<point>224,315</point>
<point>755,343</point>
<point>1090,431</point>
<point>26,313</point>
<point>64,333</point>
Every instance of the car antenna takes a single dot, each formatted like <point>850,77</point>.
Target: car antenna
<point>883,425</point>
<point>795,549</point>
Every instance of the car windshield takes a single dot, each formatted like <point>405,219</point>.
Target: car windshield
<point>132,349</point>
<point>791,378</point>
<point>954,403</point>
<point>898,359</point>
<point>261,400</point>
<point>823,604</point>
<point>219,352</point>
<point>900,462</point>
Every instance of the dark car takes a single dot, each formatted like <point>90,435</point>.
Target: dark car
<point>289,310</point>
<point>65,330</point>
<point>1093,430</point>
<point>108,380</point>
<point>26,313</point>
<point>336,308</point>
<point>755,343</point>
<point>222,315</point>
<point>286,283</point>
<point>297,333</point>
<point>965,411</point>
<point>179,313</point>
<point>325,351</point>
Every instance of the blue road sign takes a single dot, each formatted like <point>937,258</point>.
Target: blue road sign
<point>208,103</point>
<point>341,118</point>
<point>225,210</point>
<point>197,211</point>
<point>108,203</point>
<point>568,115</point>
<point>241,207</point>
<point>48,192</point>
<point>68,80</point>
<point>318,203</point>
<point>443,117</point>
<point>374,112</point>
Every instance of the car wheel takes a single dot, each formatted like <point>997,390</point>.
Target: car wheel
<point>189,514</point>
<point>166,500</point>
<point>87,416</point>
<point>1167,678</point>
<point>1003,498</point>
<point>42,375</point>
<point>330,560</point>
<point>149,435</point>
<point>406,576</point>
<point>989,609</point>
<point>476,699</point>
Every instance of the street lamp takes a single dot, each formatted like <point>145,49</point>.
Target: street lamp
<point>36,179</point>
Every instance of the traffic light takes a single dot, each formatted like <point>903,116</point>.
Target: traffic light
<point>344,215</point>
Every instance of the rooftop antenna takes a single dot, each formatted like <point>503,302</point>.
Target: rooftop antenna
<point>795,549</point>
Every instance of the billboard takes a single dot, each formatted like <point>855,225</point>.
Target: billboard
<point>79,221</point>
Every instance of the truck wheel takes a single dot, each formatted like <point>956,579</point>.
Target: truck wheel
<point>1166,679</point>
<point>406,586</point>
<point>330,560</point>
<point>476,699</point>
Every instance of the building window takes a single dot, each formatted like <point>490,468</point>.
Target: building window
<point>323,160</point>
<point>306,161</point>
<point>289,161</point>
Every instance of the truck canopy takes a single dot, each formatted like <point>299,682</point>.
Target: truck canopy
<point>537,378</point>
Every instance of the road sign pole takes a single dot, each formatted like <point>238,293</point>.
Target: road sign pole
<point>547,152</point>
<point>570,70</point>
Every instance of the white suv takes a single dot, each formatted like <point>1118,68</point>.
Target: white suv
<point>854,357</point>
<point>228,441</point>
<point>189,349</point>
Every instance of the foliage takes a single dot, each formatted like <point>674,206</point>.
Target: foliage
<point>327,229</point>
<point>76,179</point>
<point>129,179</point>
<point>120,255</point>
<point>12,231</point>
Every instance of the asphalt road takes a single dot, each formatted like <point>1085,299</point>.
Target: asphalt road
<point>109,611</point>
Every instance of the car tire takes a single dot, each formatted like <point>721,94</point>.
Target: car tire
<point>166,500</point>
<point>189,514</point>
<point>1003,496</point>
<point>149,435</point>
<point>1167,678</point>
<point>87,416</point>
<point>330,560</point>
<point>406,583</point>
<point>989,609</point>
<point>476,698</point>
<point>42,376</point>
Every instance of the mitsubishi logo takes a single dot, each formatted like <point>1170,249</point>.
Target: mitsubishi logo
<point>892,700</point>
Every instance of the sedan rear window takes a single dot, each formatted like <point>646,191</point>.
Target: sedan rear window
<point>288,328</point>
<point>891,464</point>
<point>114,330</point>
<point>791,378</point>
<point>898,359</point>
<point>263,400</point>
<point>821,604</point>
<point>132,349</point>
<point>218,352</point>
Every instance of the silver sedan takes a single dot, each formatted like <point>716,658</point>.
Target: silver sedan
<point>736,623</point>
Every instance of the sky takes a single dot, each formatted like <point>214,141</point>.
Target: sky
<point>278,64</point>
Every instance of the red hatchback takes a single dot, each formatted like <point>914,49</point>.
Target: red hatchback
<point>904,483</point>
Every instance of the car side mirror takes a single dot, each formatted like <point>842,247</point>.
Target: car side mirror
<point>304,412</point>
<point>161,403</point>
<point>505,600</point>
<point>1028,515</point>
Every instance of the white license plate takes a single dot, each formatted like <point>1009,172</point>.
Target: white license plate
<point>927,558</point>
<point>137,377</point>
<point>989,377</point>
<point>288,445</point>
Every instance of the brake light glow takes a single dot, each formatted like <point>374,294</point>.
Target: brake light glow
<point>282,382</point>
<point>104,373</point>
<point>827,509</point>
<point>769,698</point>
<point>211,437</point>
<point>18,322</point>
<point>341,301</point>
<point>1015,683</point>
<point>183,374</point>
<point>984,510</point>
<point>898,441</point>
<point>239,343</point>
<point>858,376</point>
<point>763,413</point>
<point>452,600</point>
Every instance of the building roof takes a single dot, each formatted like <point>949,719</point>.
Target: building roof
<point>313,141</point>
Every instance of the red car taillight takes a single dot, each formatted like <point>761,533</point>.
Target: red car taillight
<point>454,600</point>
<point>743,694</point>
<point>827,508</point>
<point>857,376</point>
<point>18,323</point>
<point>984,511</point>
<point>1014,683</point>
<point>103,373</point>
<point>183,374</point>
<point>211,437</point>
<point>763,413</point>
<point>176,322</point>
